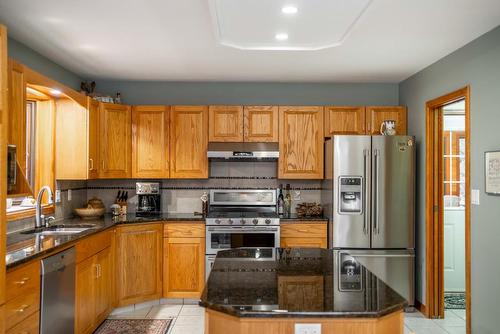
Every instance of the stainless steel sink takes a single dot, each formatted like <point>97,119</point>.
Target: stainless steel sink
<point>60,229</point>
<point>65,230</point>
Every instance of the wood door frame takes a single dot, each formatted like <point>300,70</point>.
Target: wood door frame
<point>434,200</point>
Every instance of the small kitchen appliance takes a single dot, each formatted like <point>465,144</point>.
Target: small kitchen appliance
<point>149,198</point>
<point>241,218</point>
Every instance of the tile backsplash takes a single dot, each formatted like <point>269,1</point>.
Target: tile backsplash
<point>181,196</point>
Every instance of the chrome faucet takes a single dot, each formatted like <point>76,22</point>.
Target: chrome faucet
<point>39,217</point>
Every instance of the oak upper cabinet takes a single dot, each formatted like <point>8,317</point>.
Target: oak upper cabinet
<point>93,138</point>
<point>150,142</point>
<point>301,142</point>
<point>376,115</point>
<point>138,263</point>
<point>17,112</point>
<point>188,142</point>
<point>183,260</point>
<point>115,141</point>
<point>260,123</point>
<point>225,123</point>
<point>344,120</point>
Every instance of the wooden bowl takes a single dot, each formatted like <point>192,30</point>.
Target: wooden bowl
<point>90,213</point>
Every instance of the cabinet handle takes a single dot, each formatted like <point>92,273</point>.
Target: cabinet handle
<point>99,270</point>
<point>103,165</point>
<point>96,271</point>
<point>22,281</point>
<point>304,231</point>
<point>91,164</point>
<point>187,232</point>
<point>22,309</point>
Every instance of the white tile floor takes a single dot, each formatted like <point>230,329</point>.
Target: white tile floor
<point>190,319</point>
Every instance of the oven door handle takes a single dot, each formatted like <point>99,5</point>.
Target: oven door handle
<point>242,228</point>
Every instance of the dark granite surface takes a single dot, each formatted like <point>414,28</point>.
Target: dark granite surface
<point>293,217</point>
<point>23,247</point>
<point>285,282</point>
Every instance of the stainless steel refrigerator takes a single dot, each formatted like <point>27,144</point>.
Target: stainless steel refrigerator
<point>369,198</point>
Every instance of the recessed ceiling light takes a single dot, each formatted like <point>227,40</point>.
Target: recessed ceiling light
<point>281,37</point>
<point>289,10</point>
<point>55,92</point>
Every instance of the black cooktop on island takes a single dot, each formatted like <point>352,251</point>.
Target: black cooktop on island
<point>290,282</point>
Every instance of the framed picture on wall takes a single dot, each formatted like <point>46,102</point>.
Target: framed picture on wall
<point>492,172</point>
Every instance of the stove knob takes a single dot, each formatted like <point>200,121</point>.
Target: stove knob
<point>243,222</point>
<point>255,221</point>
<point>268,221</point>
<point>217,221</point>
<point>230,221</point>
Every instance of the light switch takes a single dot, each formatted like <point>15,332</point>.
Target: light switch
<point>474,196</point>
<point>70,195</point>
<point>58,196</point>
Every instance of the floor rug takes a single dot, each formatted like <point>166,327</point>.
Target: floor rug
<point>454,300</point>
<point>134,326</point>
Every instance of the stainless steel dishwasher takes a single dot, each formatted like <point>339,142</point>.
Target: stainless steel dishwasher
<point>57,312</point>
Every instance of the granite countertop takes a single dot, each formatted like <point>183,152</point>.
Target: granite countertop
<point>301,283</point>
<point>23,247</point>
<point>294,217</point>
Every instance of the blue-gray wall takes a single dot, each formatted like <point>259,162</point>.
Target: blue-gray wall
<point>478,65</point>
<point>140,92</point>
<point>41,64</point>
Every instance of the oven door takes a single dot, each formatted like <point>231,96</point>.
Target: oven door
<point>227,237</point>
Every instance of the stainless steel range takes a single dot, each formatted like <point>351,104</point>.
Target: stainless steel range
<point>241,218</point>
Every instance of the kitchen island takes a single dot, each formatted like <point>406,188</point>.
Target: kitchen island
<point>276,291</point>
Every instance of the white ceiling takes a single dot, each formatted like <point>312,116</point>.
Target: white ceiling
<point>182,40</point>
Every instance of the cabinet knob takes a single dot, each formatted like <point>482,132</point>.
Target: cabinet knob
<point>22,281</point>
<point>22,309</point>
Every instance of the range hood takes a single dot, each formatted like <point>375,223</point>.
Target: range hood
<point>243,151</point>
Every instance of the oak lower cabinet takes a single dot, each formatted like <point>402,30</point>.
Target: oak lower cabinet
<point>138,263</point>
<point>296,293</point>
<point>376,115</point>
<point>115,141</point>
<point>304,235</point>
<point>225,123</point>
<point>344,120</point>
<point>301,142</point>
<point>189,142</point>
<point>183,260</point>
<point>94,298</point>
<point>150,142</point>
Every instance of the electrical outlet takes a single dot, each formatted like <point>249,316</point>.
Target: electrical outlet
<point>70,195</point>
<point>307,328</point>
<point>58,196</point>
<point>296,195</point>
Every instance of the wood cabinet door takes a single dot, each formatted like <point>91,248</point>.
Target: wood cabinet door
<point>71,140</point>
<point>189,142</point>
<point>344,120</point>
<point>17,113</point>
<point>3,163</point>
<point>376,115</point>
<point>150,142</point>
<point>301,143</point>
<point>260,124</point>
<point>139,262</point>
<point>86,276</point>
<point>115,142</point>
<point>183,265</point>
<point>104,285</point>
<point>93,138</point>
<point>314,242</point>
<point>225,124</point>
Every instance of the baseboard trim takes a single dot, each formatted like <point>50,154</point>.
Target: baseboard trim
<point>421,308</point>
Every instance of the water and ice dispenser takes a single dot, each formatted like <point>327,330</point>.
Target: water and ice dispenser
<point>350,195</point>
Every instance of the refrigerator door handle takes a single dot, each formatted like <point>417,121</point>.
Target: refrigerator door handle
<point>381,255</point>
<point>375,209</point>
<point>366,200</point>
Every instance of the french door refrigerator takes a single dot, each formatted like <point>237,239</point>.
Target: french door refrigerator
<point>369,198</point>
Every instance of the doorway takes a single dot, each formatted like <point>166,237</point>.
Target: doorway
<point>448,207</point>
